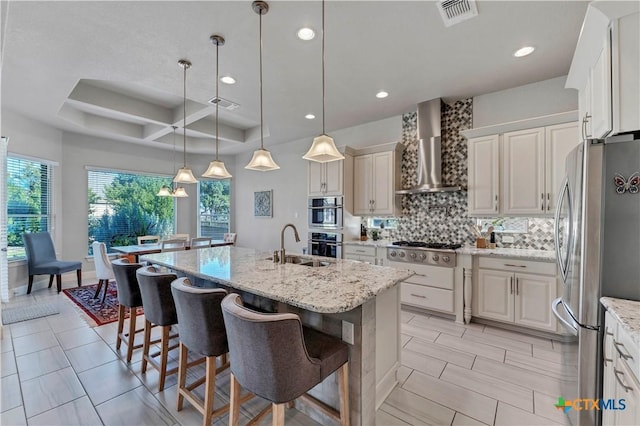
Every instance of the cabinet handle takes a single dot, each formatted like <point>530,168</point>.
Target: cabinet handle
<point>607,332</point>
<point>542,201</point>
<point>585,122</point>
<point>421,275</point>
<point>495,206</point>
<point>623,355</point>
<point>419,296</point>
<point>515,266</point>
<point>606,360</point>
<point>517,286</point>
<point>548,201</point>
<point>619,373</point>
<point>511,285</point>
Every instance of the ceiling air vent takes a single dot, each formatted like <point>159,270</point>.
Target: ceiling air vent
<point>456,11</point>
<point>224,103</point>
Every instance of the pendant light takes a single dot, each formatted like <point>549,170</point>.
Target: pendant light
<point>176,191</point>
<point>323,149</point>
<point>184,174</point>
<point>261,160</point>
<point>216,169</point>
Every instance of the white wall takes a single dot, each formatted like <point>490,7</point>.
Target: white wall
<point>289,185</point>
<point>528,101</point>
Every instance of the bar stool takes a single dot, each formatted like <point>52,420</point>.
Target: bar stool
<point>201,331</point>
<point>128,297</point>
<point>276,358</point>
<point>159,310</point>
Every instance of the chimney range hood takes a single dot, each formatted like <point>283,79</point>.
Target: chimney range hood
<point>429,151</point>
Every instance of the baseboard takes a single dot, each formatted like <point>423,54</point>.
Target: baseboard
<point>40,283</point>
<point>385,386</point>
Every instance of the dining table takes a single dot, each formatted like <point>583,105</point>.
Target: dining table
<point>137,250</point>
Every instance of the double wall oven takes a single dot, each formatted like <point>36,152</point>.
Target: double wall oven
<point>325,226</point>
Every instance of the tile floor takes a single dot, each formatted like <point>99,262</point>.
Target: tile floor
<point>58,370</point>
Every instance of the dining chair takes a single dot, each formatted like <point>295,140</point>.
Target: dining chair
<point>230,237</point>
<point>104,270</point>
<point>41,260</point>
<point>128,297</point>
<point>275,357</point>
<point>200,242</point>
<point>172,245</point>
<point>148,239</point>
<point>180,237</point>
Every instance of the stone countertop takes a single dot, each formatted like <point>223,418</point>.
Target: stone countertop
<point>339,287</point>
<point>369,242</point>
<point>627,312</point>
<point>524,254</point>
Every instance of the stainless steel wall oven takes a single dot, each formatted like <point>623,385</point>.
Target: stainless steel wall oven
<point>325,212</point>
<point>328,244</point>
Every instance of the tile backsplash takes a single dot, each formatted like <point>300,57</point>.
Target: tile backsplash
<point>442,217</point>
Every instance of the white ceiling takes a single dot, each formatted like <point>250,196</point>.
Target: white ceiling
<point>110,68</point>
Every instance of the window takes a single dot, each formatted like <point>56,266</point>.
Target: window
<point>514,225</point>
<point>123,206</point>
<point>28,202</point>
<point>382,222</point>
<point>213,218</point>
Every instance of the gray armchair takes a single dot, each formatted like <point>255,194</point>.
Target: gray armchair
<point>41,260</point>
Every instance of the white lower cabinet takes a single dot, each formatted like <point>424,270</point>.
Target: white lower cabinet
<point>620,375</point>
<point>521,298</point>
<point>430,288</point>
<point>373,255</point>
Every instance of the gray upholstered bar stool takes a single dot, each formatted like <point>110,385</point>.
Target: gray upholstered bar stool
<point>201,331</point>
<point>159,310</point>
<point>128,297</point>
<point>276,358</point>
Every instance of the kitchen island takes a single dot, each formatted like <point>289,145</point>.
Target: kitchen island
<point>355,301</point>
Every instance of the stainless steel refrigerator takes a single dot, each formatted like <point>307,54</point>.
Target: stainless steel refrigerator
<point>598,250</point>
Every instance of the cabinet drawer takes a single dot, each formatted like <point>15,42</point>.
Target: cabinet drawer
<point>427,297</point>
<point>628,351</point>
<point>433,276</point>
<point>359,250</point>
<point>360,258</point>
<point>515,265</point>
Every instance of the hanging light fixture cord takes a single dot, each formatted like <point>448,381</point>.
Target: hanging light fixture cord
<point>323,67</point>
<point>173,156</point>
<point>261,118</point>
<point>217,97</point>
<point>184,114</point>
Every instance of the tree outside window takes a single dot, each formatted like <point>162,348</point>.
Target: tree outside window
<point>214,208</point>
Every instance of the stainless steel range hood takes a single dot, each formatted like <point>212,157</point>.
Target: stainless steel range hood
<point>429,151</point>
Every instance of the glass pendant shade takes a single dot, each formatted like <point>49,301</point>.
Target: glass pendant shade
<point>217,170</point>
<point>180,192</point>
<point>164,191</point>
<point>323,150</point>
<point>184,175</point>
<point>262,161</point>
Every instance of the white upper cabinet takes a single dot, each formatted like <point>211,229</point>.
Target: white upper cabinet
<point>325,179</point>
<point>523,172</point>
<point>606,69</point>
<point>376,177</point>
<point>520,172</point>
<point>484,175</point>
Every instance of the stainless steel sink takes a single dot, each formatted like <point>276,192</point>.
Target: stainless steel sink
<point>303,261</point>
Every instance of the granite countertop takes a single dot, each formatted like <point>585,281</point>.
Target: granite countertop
<point>627,312</point>
<point>524,254</point>
<point>339,287</point>
<point>369,242</point>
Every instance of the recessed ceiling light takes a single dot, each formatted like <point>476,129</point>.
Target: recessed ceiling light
<point>306,34</point>
<point>527,50</point>
<point>227,79</point>
<point>309,116</point>
<point>381,94</point>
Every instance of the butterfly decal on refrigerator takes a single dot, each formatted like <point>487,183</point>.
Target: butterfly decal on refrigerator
<point>627,185</point>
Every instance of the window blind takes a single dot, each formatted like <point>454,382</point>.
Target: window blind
<point>28,202</point>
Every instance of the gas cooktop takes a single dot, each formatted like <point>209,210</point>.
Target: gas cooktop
<point>428,245</point>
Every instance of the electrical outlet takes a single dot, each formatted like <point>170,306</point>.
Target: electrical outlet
<point>348,332</point>
<point>507,239</point>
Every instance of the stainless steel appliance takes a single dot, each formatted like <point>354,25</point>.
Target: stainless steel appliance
<point>597,245</point>
<point>325,212</point>
<point>438,254</point>
<point>328,244</point>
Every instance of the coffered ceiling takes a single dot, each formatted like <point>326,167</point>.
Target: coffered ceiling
<point>110,69</point>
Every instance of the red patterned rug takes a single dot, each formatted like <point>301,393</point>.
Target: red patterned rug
<point>101,313</point>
